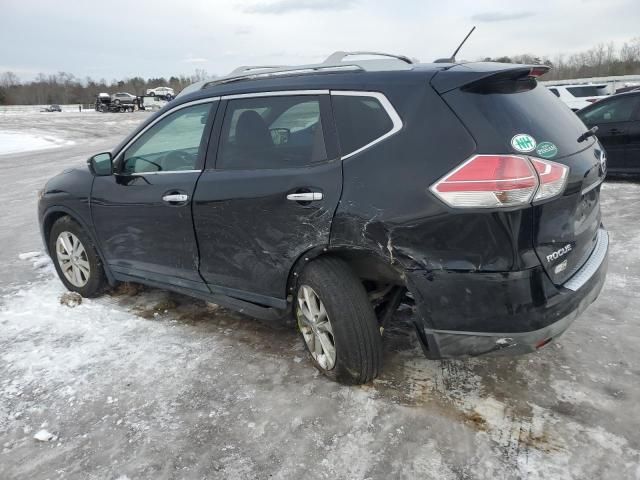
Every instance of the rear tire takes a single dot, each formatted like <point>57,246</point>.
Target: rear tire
<point>352,328</point>
<point>64,237</point>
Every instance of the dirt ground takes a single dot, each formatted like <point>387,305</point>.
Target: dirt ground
<point>145,384</point>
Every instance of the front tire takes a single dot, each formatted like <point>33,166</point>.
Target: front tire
<point>337,322</point>
<point>76,259</point>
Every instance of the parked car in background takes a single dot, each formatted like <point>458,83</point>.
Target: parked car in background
<point>122,98</point>
<point>326,195</point>
<point>618,120</point>
<point>579,96</point>
<point>52,108</point>
<point>161,92</point>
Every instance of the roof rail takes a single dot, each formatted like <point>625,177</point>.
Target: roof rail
<point>277,72</point>
<point>248,68</point>
<point>334,63</point>
<point>338,57</point>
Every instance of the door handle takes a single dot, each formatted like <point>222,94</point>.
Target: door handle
<point>305,196</point>
<point>615,131</point>
<point>175,197</point>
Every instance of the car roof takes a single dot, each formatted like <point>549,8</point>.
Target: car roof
<point>336,63</point>
<point>339,74</point>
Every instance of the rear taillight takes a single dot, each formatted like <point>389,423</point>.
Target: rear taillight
<point>553,177</point>
<point>490,181</point>
<point>538,71</point>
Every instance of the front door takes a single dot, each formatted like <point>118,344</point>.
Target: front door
<point>613,117</point>
<point>271,194</point>
<point>142,213</point>
<point>632,154</point>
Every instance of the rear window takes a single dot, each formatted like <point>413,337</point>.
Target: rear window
<point>587,91</point>
<point>360,120</point>
<point>495,113</point>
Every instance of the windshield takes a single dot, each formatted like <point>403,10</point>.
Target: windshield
<point>498,112</point>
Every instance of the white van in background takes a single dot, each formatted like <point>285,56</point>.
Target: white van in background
<point>580,95</point>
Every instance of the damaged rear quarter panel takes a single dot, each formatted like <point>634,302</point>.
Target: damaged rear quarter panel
<point>386,206</point>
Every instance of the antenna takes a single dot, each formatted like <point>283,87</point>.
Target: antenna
<point>452,59</point>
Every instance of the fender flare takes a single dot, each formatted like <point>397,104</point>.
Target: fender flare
<point>77,218</point>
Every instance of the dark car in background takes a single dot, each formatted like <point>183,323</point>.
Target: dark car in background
<point>52,108</point>
<point>330,194</point>
<point>618,120</point>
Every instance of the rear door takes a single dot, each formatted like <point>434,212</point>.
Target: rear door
<point>268,194</point>
<point>510,113</point>
<point>614,119</point>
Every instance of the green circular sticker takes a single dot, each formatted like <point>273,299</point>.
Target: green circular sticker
<point>547,150</point>
<point>523,143</point>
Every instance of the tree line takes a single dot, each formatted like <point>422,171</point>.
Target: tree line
<point>65,88</point>
<point>603,60</point>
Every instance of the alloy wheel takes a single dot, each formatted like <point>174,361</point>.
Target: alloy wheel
<point>314,323</point>
<point>73,260</point>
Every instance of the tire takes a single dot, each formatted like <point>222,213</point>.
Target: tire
<point>91,284</point>
<point>354,329</point>
<point>116,101</point>
<point>153,94</point>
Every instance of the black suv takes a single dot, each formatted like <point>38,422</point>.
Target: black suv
<point>333,193</point>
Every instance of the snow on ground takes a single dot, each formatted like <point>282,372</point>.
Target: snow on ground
<point>149,384</point>
<point>16,142</point>
<point>141,383</point>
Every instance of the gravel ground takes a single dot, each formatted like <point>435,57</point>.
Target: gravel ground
<point>145,384</point>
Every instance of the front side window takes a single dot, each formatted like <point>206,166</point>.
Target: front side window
<point>170,145</point>
<point>360,120</point>
<point>614,110</point>
<point>272,132</point>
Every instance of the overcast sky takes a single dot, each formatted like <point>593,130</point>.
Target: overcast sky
<point>117,38</point>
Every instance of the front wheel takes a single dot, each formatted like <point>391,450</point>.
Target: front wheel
<point>338,323</point>
<point>76,259</point>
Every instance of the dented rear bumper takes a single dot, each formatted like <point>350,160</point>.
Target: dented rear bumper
<point>509,313</point>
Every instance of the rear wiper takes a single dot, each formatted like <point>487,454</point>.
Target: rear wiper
<point>589,133</point>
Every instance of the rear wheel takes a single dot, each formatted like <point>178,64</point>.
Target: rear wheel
<point>76,259</point>
<point>337,322</point>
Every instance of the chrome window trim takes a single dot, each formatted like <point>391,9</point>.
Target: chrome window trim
<point>144,130</point>
<point>381,97</point>
<point>584,274</point>
<point>388,107</point>
<point>163,172</point>
<point>277,93</point>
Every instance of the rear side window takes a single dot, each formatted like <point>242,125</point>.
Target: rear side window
<point>271,132</point>
<point>587,91</point>
<point>360,120</point>
<point>614,110</point>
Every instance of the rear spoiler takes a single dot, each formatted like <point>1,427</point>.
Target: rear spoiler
<point>465,74</point>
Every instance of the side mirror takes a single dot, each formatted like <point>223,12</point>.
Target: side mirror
<point>280,136</point>
<point>100,164</point>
